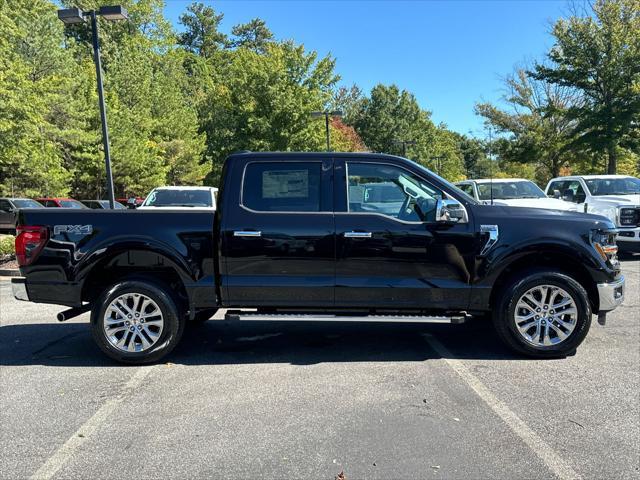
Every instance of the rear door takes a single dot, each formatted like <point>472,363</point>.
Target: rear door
<point>278,233</point>
<point>391,253</point>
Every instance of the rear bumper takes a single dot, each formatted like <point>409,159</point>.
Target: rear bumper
<point>19,289</point>
<point>611,294</point>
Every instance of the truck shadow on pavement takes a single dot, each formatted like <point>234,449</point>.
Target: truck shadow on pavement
<point>219,342</point>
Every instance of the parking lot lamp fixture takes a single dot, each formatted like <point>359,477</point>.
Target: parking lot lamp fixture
<point>326,115</point>
<point>70,16</point>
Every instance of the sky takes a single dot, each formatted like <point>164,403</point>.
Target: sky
<point>449,54</point>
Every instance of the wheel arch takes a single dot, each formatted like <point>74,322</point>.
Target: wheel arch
<point>548,259</point>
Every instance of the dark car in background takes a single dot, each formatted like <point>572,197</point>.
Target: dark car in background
<point>9,209</point>
<point>101,204</point>
<point>60,203</point>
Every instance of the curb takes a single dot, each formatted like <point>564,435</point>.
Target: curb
<point>9,273</point>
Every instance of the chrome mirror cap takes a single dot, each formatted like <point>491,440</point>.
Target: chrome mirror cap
<point>451,211</point>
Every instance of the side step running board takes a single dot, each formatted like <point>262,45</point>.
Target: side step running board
<point>327,317</point>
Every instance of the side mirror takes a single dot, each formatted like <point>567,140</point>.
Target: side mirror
<point>131,203</point>
<point>556,194</point>
<point>568,196</point>
<point>450,211</point>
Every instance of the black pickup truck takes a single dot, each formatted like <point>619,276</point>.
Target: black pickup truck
<point>323,237</point>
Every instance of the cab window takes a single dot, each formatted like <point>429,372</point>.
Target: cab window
<point>282,186</point>
<point>391,191</point>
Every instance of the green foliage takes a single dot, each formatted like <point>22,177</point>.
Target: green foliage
<point>390,116</point>
<point>7,245</point>
<point>264,101</point>
<point>535,122</point>
<point>201,35</point>
<point>597,53</point>
<point>253,35</point>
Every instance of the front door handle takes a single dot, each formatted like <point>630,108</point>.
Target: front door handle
<point>357,234</point>
<point>247,233</point>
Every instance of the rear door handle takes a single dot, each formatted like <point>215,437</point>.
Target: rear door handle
<point>357,234</point>
<point>247,233</point>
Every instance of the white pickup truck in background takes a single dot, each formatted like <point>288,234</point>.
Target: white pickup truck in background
<point>617,197</point>
<point>514,192</point>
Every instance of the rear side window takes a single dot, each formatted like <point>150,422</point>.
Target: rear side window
<point>282,186</point>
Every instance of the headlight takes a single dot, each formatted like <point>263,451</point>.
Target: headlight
<point>628,217</point>
<point>604,242</point>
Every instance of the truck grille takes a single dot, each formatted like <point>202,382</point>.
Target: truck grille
<point>629,217</point>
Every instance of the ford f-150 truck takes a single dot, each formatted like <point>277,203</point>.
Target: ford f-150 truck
<point>323,237</point>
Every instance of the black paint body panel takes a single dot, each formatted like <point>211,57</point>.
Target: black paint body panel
<point>302,259</point>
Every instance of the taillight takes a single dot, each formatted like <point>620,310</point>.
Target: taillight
<point>29,242</point>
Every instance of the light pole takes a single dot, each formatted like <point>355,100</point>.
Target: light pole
<point>70,16</point>
<point>438,158</point>
<point>404,144</point>
<point>326,115</point>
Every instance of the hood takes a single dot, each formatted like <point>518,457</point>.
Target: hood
<point>548,203</point>
<point>618,199</point>
<point>552,219</point>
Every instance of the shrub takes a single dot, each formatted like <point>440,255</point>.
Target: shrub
<point>7,245</point>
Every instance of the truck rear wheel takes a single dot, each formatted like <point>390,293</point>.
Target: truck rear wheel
<point>543,314</point>
<point>136,322</point>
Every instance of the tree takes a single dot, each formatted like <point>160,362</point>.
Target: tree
<point>536,122</point>
<point>264,101</point>
<point>598,55</point>
<point>344,138</point>
<point>201,35</point>
<point>253,35</point>
<point>390,116</point>
<point>31,86</point>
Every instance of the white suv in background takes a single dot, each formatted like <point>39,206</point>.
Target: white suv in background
<point>181,198</point>
<point>515,192</point>
<point>617,197</point>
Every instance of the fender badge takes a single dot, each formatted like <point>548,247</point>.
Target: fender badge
<point>73,229</point>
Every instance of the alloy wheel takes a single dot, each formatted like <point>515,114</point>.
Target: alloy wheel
<point>133,322</point>
<point>545,315</point>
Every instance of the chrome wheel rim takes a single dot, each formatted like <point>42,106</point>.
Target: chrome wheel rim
<point>133,322</point>
<point>545,315</point>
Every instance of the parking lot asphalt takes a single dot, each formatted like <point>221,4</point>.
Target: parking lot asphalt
<point>296,400</point>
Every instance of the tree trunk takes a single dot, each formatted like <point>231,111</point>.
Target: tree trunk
<point>612,166</point>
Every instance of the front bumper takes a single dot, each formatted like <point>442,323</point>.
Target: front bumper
<point>611,294</point>
<point>19,289</point>
<point>628,239</point>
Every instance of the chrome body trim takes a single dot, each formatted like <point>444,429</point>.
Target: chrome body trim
<point>611,295</point>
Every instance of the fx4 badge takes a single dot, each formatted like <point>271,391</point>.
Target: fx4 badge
<point>73,229</point>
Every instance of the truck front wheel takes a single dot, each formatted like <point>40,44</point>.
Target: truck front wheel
<point>543,314</point>
<point>136,322</point>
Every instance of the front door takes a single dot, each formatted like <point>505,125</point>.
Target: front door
<point>279,242</point>
<point>391,254</point>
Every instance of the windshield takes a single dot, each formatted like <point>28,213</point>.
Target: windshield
<point>613,186</point>
<point>509,190</point>
<point>71,204</point>
<point>178,198</point>
<point>27,203</point>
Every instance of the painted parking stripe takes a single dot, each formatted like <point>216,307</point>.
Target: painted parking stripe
<point>56,461</point>
<point>543,450</point>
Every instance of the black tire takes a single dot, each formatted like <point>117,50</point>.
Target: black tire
<point>173,321</point>
<point>204,315</point>
<point>505,309</point>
